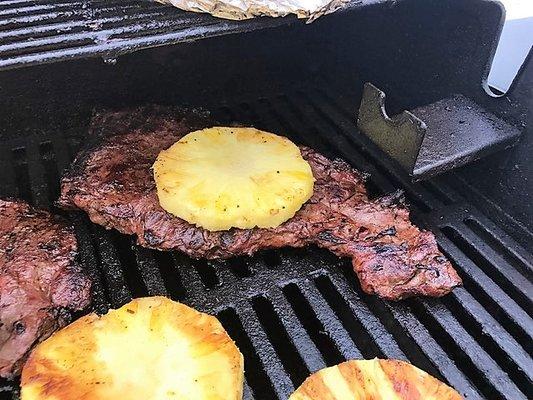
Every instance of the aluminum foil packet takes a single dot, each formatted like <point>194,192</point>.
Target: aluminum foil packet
<point>246,9</point>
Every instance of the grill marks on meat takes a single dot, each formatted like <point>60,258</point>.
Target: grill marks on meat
<point>40,283</point>
<point>112,181</point>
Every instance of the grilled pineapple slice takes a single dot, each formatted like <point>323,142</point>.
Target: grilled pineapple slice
<point>373,379</point>
<point>151,348</point>
<point>219,178</point>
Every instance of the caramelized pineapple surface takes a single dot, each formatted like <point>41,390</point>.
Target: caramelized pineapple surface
<point>373,379</point>
<point>151,348</point>
<point>221,177</point>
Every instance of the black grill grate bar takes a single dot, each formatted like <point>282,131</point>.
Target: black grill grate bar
<point>267,116</point>
<point>270,362</point>
<point>477,283</point>
<point>325,350</point>
<point>299,336</point>
<point>124,248</point>
<point>149,271</point>
<point>490,262</point>
<point>280,340</point>
<point>407,345</point>
<point>36,8</point>
<point>49,165</point>
<point>248,286</point>
<point>52,29</point>
<point>207,274</point>
<point>9,186</point>
<point>249,114</point>
<point>495,381</point>
<point>88,7</point>
<point>35,19</point>
<point>501,244</point>
<point>171,275</point>
<point>18,155</point>
<point>287,107</point>
<point>256,380</point>
<point>62,154</point>
<point>241,266</point>
<point>110,49</point>
<point>73,13</point>
<point>71,26</point>
<point>433,350</point>
<point>379,337</point>
<point>519,232</point>
<point>278,114</point>
<point>399,315</point>
<point>246,391</point>
<point>344,146</point>
<point>39,186</point>
<point>75,40</point>
<point>87,254</point>
<point>224,272</point>
<point>111,268</point>
<point>483,326</point>
<point>157,25</point>
<point>32,175</point>
<point>188,274</point>
<point>289,117</point>
<point>16,4</point>
<point>329,320</point>
<point>440,190</point>
<point>152,23</point>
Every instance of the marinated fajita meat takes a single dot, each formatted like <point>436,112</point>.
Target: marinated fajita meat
<point>112,181</point>
<point>40,282</point>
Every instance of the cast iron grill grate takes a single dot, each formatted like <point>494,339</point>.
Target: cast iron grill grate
<point>294,311</point>
<point>42,31</point>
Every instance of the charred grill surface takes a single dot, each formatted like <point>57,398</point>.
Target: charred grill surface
<point>40,282</point>
<point>112,181</point>
<point>294,311</point>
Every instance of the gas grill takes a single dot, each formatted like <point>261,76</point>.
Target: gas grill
<point>294,311</point>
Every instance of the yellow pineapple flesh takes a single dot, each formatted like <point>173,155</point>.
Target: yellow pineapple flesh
<point>219,178</point>
<point>373,380</point>
<point>151,348</point>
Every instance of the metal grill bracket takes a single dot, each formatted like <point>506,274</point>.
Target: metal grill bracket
<point>434,138</point>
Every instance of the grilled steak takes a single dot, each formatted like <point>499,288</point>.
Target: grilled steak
<point>40,283</point>
<point>112,181</point>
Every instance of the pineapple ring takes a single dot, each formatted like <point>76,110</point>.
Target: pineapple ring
<point>151,348</point>
<point>220,178</point>
<point>373,379</point>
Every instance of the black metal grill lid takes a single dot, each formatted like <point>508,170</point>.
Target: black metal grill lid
<point>295,311</point>
<point>43,31</point>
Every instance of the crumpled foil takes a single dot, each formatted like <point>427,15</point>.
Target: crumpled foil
<point>245,9</point>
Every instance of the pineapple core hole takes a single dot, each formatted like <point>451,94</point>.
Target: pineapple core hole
<point>221,178</point>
